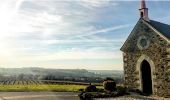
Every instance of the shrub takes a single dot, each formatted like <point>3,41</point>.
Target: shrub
<point>139,91</point>
<point>81,90</point>
<point>85,96</point>
<point>109,85</point>
<point>122,91</point>
<point>136,91</point>
<point>91,88</point>
<point>100,90</point>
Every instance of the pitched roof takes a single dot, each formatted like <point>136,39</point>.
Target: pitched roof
<point>164,29</point>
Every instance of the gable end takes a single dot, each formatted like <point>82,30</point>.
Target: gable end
<point>150,26</point>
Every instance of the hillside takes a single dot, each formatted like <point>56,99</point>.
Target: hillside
<point>82,75</point>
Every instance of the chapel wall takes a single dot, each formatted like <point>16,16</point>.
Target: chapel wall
<point>158,51</point>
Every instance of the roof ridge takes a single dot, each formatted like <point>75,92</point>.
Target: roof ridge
<point>163,28</point>
<point>160,22</point>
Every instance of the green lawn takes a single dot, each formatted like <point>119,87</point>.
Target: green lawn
<point>58,88</point>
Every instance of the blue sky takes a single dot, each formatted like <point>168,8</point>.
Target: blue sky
<point>84,34</point>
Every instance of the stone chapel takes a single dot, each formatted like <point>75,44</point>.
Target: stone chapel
<point>146,56</point>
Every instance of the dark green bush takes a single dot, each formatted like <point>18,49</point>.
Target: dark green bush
<point>100,90</point>
<point>85,96</point>
<point>81,90</point>
<point>109,84</point>
<point>139,91</point>
<point>122,91</point>
<point>91,88</point>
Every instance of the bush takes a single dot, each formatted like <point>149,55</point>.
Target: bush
<point>109,85</point>
<point>85,96</point>
<point>91,88</point>
<point>122,91</point>
<point>136,91</point>
<point>100,90</point>
<point>81,90</point>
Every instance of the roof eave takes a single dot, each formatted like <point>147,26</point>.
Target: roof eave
<point>130,35</point>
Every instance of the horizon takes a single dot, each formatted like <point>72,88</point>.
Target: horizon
<point>70,34</point>
<point>59,68</point>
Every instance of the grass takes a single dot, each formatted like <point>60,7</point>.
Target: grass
<point>44,87</point>
<point>57,88</point>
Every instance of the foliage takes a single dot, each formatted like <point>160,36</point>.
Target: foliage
<point>136,91</point>
<point>109,84</point>
<point>91,88</point>
<point>102,94</point>
<point>121,91</point>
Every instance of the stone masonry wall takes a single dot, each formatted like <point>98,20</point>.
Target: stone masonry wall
<point>157,51</point>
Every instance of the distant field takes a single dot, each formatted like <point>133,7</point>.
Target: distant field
<point>57,86</point>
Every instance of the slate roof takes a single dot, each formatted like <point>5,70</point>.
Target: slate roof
<point>161,27</point>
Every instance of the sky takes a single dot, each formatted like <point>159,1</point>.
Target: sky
<point>70,34</point>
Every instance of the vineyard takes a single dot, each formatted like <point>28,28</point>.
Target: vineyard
<point>42,82</point>
<point>23,82</point>
<point>39,79</point>
<point>43,85</point>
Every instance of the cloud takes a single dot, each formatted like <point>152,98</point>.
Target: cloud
<point>8,9</point>
<point>48,23</point>
<point>104,30</point>
<point>38,31</point>
<point>165,19</point>
<point>96,3</point>
<point>71,54</point>
<point>88,41</point>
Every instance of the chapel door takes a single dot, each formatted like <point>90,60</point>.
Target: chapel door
<point>146,78</point>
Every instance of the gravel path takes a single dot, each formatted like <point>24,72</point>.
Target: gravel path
<point>38,96</point>
<point>135,97</point>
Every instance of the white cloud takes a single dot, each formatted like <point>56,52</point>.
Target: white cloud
<point>8,9</point>
<point>165,19</point>
<point>96,3</point>
<point>104,30</point>
<point>30,26</point>
<point>74,53</point>
<point>41,23</point>
<point>49,22</point>
<point>84,41</point>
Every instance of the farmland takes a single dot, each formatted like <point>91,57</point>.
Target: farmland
<point>42,82</point>
<point>39,79</point>
<point>32,85</point>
